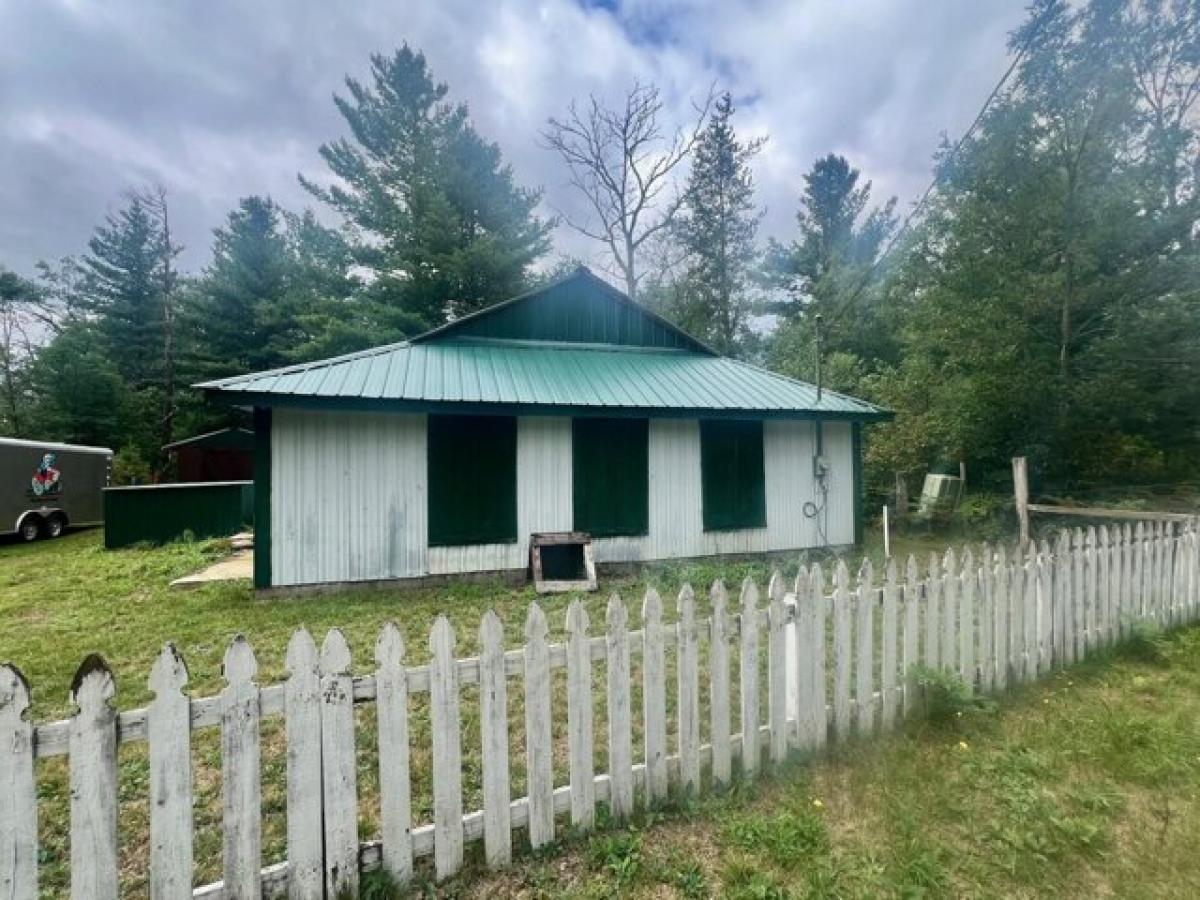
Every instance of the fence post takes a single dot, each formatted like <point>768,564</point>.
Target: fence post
<point>446,737</point>
<point>887,683</point>
<point>302,702</point>
<point>718,660</point>
<point>620,734</point>
<point>579,718</point>
<point>777,668</point>
<point>391,709</point>
<point>816,590</point>
<point>749,678</point>
<point>169,731</point>
<point>240,766</point>
<point>18,790</point>
<point>1021,496</point>
<point>339,775</point>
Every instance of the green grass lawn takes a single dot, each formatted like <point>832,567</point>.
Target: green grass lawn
<point>1087,784</point>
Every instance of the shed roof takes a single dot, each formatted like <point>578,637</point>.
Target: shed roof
<point>577,346</point>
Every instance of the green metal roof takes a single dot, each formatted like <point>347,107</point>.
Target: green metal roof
<point>577,346</point>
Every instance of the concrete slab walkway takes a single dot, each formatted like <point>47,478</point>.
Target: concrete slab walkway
<point>237,567</point>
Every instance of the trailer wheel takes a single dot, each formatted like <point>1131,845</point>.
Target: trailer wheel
<point>31,528</point>
<point>55,525</point>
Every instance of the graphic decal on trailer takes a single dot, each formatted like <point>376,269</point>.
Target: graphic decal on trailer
<point>47,480</point>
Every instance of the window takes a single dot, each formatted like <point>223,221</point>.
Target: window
<point>610,465</point>
<point>472,468</point>
<point>731,475</point>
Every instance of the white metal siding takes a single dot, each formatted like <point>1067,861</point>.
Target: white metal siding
<point>349,496</point>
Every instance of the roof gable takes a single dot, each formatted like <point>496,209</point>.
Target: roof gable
<point>578,309</point>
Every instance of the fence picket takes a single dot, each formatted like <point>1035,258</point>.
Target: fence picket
<point>654,698</point>
<point>1000,577</point>
<point>777,668</point>
<point>718,660</point>
<point>1127,591</point>
<point>493,728</point>
<point>339,773</point>
<point>951,582</point>
<point>1136,559</point>
<point>1077,628</point>
<point>912,634</point>
<point>933,619</point>
<point>1029,615</point>
<point>1101,585</point>
<point>820,711</point>
<point>579,718</point>
<point>985,600</point>
<point>302,706</point>
<point>18,790</point>
<point>748,671</point>
<point>887,682</point>
<point>1047,618</point>
<point>395,798</point>
<point>240,766</point>
<point>864,634</point>
<point>688,697</point>
<point>620,733</point>
<point>168,731</point>
<point>842,652</point>
<point>1064,641</point>
<point>968,589</point>
<point>805,689</point>
<point>446,736</point>
<point>539,740</point>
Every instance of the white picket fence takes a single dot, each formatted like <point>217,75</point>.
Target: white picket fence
<point>997,619</point>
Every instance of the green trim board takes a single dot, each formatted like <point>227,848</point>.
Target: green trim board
<point>262,497</point>
<point>732,475</point>
<point>452,408</point>
<point>610,469</point>
<point>856,449</point>
<point>472,474</point>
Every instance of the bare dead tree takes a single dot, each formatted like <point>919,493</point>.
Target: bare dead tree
<point>621,162</point>
<point>155,198</point>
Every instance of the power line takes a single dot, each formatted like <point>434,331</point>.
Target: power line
<point>849,301</point>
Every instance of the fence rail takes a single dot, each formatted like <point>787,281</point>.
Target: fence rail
<point>830,665</point>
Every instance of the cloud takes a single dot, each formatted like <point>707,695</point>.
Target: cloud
<point>223,99</point>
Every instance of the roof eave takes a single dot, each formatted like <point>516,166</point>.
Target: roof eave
<point>250,399</point>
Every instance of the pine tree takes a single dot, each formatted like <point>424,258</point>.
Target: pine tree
<point>716,231</point>
<point>439,220</point>
<point>125,291</point>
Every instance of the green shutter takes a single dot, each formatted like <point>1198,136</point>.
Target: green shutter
<point>610,462</point>
<point>731,475</point>
<point>472,480</point>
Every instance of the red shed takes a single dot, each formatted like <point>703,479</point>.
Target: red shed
<point>225,455</point>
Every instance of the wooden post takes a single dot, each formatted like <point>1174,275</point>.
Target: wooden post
<point>539,739</point>
<point>620,729</point>
<point>240,781</point>
<point>654,699</point>
<point>718,660</point>
<point>579,719</point>
<point>339,775</point>
<point>446,734</point>
<point>749,678</point>
<point>395,799</point>
<point>1021,496</point>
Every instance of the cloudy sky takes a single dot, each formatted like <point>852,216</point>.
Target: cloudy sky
<point>218,99</point>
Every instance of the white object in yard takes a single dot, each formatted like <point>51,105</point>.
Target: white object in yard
<point>939,492</point>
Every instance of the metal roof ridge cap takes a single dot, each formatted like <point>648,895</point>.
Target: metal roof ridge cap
<point>589,346</point>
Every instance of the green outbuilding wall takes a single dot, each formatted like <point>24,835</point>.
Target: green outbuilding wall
<point>160,513</point>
